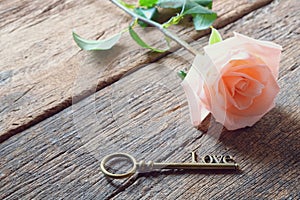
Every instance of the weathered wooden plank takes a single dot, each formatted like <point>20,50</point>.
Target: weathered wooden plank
<point>268,152</point>
<point>59,157</point>
<point>67,136</point>
<point>41,67</point>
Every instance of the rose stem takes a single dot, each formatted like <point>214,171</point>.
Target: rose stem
<point>159,26</point>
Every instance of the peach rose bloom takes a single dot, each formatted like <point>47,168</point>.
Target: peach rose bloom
<point>235,81</point>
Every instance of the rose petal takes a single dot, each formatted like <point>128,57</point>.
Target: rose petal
<point>234,122</point>
<point>193,85</point>
<point>242,102</point>
<point>241,98</point>
<point>262,103</point>
<point>253,87</point>
<point>269,52</point>
<point>221,53</point>
<point>230,82</point>
<point>233,118</point>
<point>257,72</point>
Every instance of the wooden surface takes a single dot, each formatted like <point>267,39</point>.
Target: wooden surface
<point>141,112</point>
<point>43,71</point>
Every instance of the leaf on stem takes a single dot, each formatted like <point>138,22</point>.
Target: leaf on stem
<point>203,21</point>
<point>171,3</point>
<point>215,36</point>
<point>147,13</point>
<point>181,74</point>
<point>96,44</point>
<point>180,3</point>
<point>193,8</point>
<point>140,42</point>
<point>147,3</point>
<point>205,3</point>
<point>203,18</point>
<point>173,21</point>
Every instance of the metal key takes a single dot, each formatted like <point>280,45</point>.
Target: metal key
<point>208,162</point>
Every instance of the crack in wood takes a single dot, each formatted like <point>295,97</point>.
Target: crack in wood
<point>23,94</point>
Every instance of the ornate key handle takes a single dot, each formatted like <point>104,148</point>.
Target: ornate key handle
<point>208,162</point>
<point>118,155</point>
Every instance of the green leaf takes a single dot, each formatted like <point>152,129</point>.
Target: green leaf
<point>96,44</point>
<point>170,3</point>
<point>203,18</point>
<point>180,3</point>
<point>147,3</point>
<point>205,3</point>
<point>203,21</point>
<point>173,21</point>
<point>215,36</point>
<point>196,9</point>
<point>181,74</point>
<point>140,42</point>
<point>147,13</point>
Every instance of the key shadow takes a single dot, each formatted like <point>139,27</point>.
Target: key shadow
<point>117,183</point>
<point>121,183</point>
<point>176,172</point>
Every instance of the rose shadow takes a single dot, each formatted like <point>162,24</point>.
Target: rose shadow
<point>275,138</point>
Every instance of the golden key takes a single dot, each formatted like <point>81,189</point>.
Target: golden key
<point>211,162</point>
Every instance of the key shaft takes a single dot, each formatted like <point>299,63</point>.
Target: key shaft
<point>143,166</point>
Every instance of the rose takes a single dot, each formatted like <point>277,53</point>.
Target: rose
<point>235,81</point>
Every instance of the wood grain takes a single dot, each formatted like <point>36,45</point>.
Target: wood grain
<point>43,71</point>
<point>145,114</point>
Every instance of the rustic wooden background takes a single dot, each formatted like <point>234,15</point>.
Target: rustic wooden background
<point>63,109</point>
